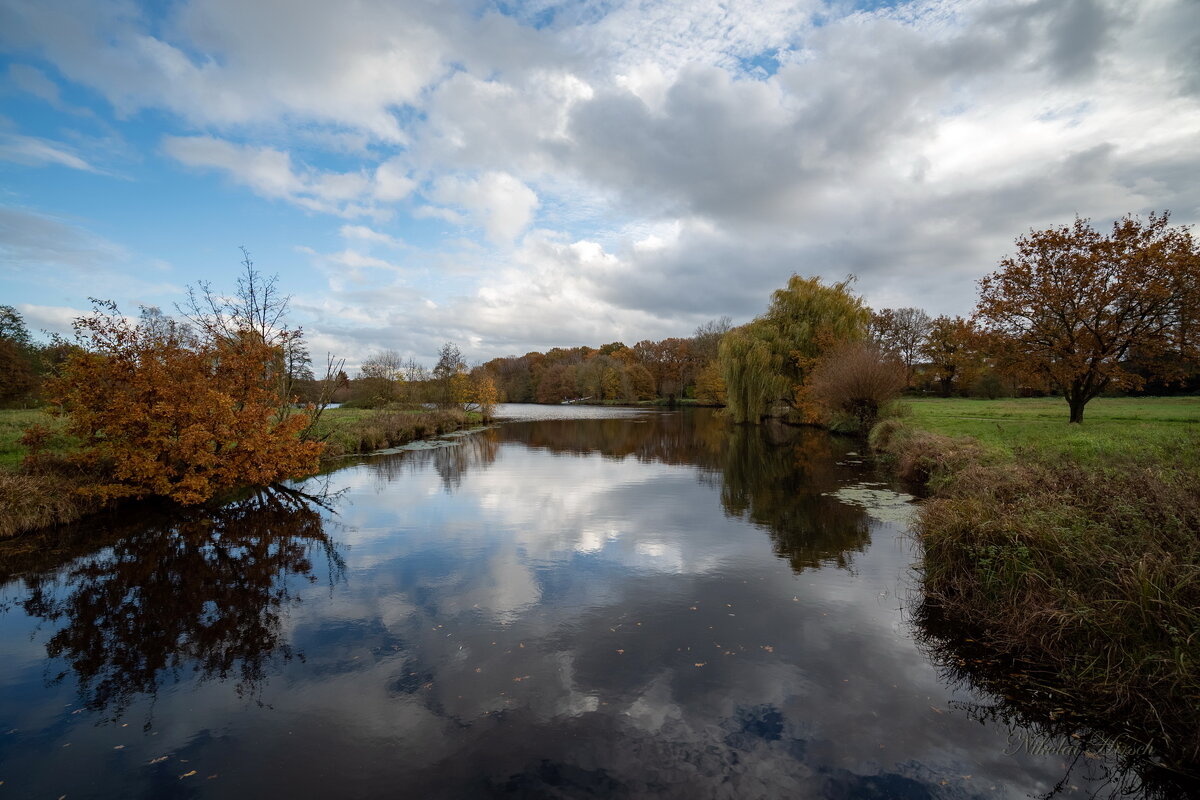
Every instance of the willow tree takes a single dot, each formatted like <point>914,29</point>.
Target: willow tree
<point>766,363</point>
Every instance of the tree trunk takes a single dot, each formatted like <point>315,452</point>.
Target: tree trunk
<point>1076,404</point>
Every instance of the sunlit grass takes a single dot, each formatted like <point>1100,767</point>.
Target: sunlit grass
<point>1073,548</point>
<point>1115,431</point>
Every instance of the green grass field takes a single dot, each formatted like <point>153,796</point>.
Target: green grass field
<point>1164,430</point>
<point>13,423</point>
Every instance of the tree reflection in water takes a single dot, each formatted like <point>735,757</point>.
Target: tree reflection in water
<point>200,591</point>
<point>776,476</point>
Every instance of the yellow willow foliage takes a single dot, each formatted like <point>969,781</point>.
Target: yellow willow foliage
<point>162,412</point>
<point>765,363</point>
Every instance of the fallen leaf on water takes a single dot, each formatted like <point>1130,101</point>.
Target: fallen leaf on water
<point>159,759</point>
<point>210,777</point>
<point>768,648</point>
<point>701,663</point>
<point>621,652</point>
<point>936,710</point>
<point>187,774</point>
<point>119,747</point>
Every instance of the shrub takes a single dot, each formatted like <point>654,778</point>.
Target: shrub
<point>853,382</point>
<point>161,410</point>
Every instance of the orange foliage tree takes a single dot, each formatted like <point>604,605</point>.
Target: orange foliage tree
<point>952,349</point>
<point>163,410</point>
<point>1073,305</point>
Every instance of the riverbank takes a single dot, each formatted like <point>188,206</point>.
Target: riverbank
<point>54,494</point>
<point>354,431</point>
<point>1071,550</point>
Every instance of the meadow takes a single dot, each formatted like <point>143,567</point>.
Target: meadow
<point>1071,549</point>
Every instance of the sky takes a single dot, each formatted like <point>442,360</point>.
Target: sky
<point>514,176</point>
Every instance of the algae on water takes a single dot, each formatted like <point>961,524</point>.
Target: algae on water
<point>879,502</point>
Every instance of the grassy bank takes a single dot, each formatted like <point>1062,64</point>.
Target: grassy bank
<point>48,497</point>
<point>347,431</point>
<point>1073,550</point>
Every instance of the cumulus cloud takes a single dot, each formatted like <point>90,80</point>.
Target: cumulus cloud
<point>632,169</point>
<point>496,201</point>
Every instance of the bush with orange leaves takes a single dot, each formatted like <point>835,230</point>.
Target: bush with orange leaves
<point>853,382</point>
<point>163,410</point>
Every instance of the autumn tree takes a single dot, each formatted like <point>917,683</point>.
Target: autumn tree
<point>766,362</point>
<point>1074,304</point>
<point>18,374</point>
<point>481,394</point>
<point>854,380</point>
<point>952,350</point>
<point>161,408</point>
<point>902,331</point>
<point>449,376</point>
<point>380,376</point>
<point>257,309</point>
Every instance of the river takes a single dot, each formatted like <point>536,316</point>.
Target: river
<point>577,602</point>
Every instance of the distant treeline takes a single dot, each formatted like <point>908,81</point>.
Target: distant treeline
<point>670,370</point>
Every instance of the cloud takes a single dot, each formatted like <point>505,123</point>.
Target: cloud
<point>630,170</point>
<point>497,201</point>
<point>368,235</point>
<point>33,81</point>
<point>270,173</point>
<point>392,182</point>
<point>46,252</point>
<point>37,243</point>
<point>38,152</point>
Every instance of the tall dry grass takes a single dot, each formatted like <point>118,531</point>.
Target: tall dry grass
<point>1090,574</point>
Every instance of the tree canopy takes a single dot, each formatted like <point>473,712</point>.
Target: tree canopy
<point>184,411</point>
<point>766,362</point>
<point>1074,305</point>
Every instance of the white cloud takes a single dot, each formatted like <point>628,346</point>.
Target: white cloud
<point>497,201</point>
<point>38,152</point>
<point>366,234</point>
<point>638,168</point>
<point>392,182</point>
<point>270,173</point>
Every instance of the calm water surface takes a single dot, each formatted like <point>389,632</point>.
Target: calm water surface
<point>586,603</point>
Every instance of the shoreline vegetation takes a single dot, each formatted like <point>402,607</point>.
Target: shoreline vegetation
<point>1068,552</point>
<point>49,495</point>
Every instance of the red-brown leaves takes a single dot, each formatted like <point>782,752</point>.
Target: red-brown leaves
<point>1075,306</point>
<point>165,412</point>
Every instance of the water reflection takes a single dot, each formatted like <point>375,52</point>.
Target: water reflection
<point>1117,759</point>
<point>650,606</point>
<point>199,592</point>
<point>774,476</point>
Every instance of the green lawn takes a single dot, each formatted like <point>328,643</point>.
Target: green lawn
<point>13,423</point>
<point>1164,430</point>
